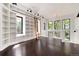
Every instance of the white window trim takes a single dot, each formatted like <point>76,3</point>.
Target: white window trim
<point>18,14</point>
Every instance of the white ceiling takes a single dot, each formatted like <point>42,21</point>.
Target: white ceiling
<point>54,9</point>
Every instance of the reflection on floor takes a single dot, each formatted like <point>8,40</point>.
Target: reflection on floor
<point>42,47</point>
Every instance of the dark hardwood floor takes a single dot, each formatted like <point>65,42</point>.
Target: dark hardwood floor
<point>42,47</point>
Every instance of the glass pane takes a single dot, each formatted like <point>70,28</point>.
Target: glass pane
<point>50,34</point>
<point>57,34</point>
<point>44,26</point>
<point>67,28</point>
<point>67,34</point>
<point>50,25</point>
<point>19,25</point>
<point>58,25</point>
<point>66,23</point>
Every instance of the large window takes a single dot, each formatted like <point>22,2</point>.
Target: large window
<point>57,25</point>
<point>50,25</point>
<point>67,28</point>
<point>66,24</point>
<point>20,24</point>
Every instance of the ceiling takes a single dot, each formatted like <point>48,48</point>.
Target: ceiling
<point>50,10</point>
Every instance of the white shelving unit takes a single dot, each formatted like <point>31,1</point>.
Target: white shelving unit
<point>8,25</point>
<point>12,24</point>
<point>29,26</point>
<point>4,25</point>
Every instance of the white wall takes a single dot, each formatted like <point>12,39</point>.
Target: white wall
<point>76,28</point>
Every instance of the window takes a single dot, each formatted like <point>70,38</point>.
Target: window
<point>67,34</point>
<point>57,34</point>
<point>50,25</point>
<point>20,24</point>
<point>66,23</point>
<point>50,34</point>
<point>44,26</point>
<point>57,25</point>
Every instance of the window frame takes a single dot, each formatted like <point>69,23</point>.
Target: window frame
<point>23,24</point>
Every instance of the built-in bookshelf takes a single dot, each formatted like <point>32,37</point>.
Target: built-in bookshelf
<point>12,24</point>
<point>8,24</point>
<point>29,26</point>
<point>5,24</point>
